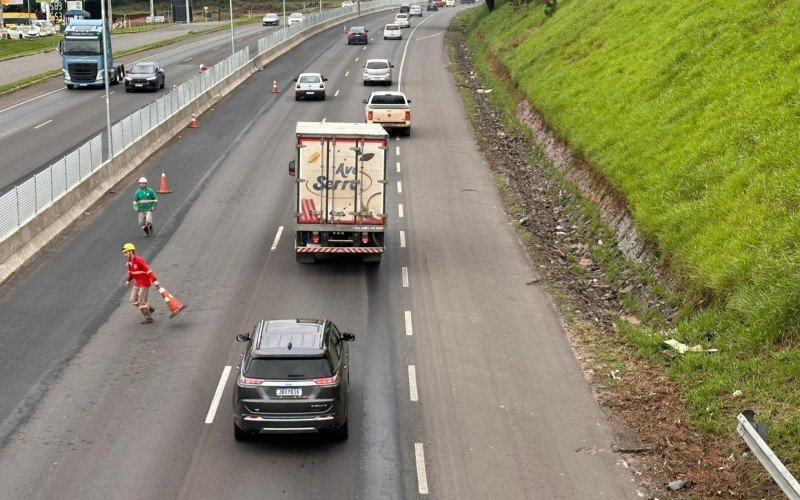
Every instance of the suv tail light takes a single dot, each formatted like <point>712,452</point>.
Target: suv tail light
<point>327,380</point>
<point>408,115</point>
<point>248,380</point>
<point>369,115</point>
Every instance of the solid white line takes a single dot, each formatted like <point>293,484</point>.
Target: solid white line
<point>402,239</point>
<point>400,210</point>
<point>218,395</point>
<point>399,187</point>
<point>409,330</point>
<point>405,277</point>
<point>187,60</point>
<point>347,74</point>
<point>398,167</point>
<point>405,49</point>
<point>412,383</point>
<point>422,478</point>
<point>397,150</point>
<point>42,124</point>
<point>336,94</point>
<point>277,238</point>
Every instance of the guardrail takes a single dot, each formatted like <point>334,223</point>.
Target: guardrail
<point>25,201</point>
<point>755,436</point>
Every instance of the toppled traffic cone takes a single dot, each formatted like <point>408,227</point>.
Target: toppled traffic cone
<point>274,87</point>
<point>174,304</point>
<point>193,123</point>
<point>164,187</point>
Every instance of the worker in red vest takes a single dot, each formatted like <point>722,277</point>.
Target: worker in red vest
<point>143,277</point>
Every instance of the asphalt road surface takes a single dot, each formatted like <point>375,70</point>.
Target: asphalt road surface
<point>463,385</point>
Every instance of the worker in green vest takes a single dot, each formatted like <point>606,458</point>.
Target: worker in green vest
<point>145,202</point>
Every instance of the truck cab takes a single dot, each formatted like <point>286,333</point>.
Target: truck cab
<point>82,59</point>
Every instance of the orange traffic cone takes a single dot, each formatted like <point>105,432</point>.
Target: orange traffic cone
<point>174,304</point>
<point>193,123</point>
<point>274,87</point>
<point>164,188</point>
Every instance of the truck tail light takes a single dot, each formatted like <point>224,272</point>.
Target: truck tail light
<point>369,115</point>
<point>364,238</point>
<point>408,115</point>
<point>315,237</point>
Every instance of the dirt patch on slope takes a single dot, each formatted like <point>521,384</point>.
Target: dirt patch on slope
<point>644,407</point>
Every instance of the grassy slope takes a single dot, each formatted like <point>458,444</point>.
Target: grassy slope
<point>690,109</point>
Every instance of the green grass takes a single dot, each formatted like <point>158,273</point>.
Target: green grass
<point>9,49</point>
<point>690,110</point>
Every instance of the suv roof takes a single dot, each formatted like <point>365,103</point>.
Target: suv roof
<point>289,337</point>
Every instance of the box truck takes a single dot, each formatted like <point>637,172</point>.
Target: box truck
<point>340,190</point>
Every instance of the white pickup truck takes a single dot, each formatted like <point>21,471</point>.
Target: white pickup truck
<point>389,109</point>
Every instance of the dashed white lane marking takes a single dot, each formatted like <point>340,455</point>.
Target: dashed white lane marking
<point>398,167</point>
<point>405,277</point>
<point>356,59</point>
<point>109,93</point>
<point>429,36</point>
<point>409,330</point>
<point>347,73</point>
<point>42,124</point>
<point>397,150</point>
<point>365,47</point>
<point>400,210</point>
<point>422,478</point>
<point>218,395</point>
<point>402,239</point>
<point>336,94</point>
<point>397,138</point>
<point>399,187</point>
<point>277,239</point>
<point>412,383</point>
<point>215,48</point>
<point>323,120</point>
<point>187,60</point>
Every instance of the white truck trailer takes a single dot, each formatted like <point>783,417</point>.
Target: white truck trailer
<point>340,190</point>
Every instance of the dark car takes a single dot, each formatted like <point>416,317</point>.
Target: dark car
<point>294,378</point>
<point>145,76</point>
<point>405,7</point>
<point>357,34</point>
<point>432,6</point>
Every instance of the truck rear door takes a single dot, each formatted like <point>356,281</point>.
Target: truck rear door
<point>342,181</point>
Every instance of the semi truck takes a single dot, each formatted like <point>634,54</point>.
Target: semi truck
<point>82,61</point>
<point>340,190</point>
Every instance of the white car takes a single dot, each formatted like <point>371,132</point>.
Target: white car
<point>402,20</point>
<point>449,3</point>
<point>392,32</point>
<point>294,18</point>
<point>16,32</point>
<point>309,85</point>
<point>347,4</point>
<point>45,27</point>
<point>416,10</point>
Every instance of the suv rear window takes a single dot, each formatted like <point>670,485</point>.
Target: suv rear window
<point>388,99</point>
<point>377,65</point>
<point>288,368</point>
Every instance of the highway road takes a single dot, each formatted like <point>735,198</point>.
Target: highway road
<point>40,124</point>
<point>463,383</point>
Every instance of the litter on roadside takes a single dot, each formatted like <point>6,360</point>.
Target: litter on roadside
<point>683,348</point>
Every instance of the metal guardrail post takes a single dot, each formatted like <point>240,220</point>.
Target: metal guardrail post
<point>757,444</point>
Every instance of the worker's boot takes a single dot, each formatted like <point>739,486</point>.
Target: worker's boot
<point>147,313</point>
<point>146,232</point>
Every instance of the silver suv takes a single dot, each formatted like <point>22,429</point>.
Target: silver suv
<point>377,70</point>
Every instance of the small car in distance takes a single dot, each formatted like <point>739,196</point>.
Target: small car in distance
<point>405,7</point>
<point>392,32</point>
<point>309,85</point>
<point>402,20</point>
<point>377,71</point>
<point>432,7</point>
<point>294,18</point>
<point>16,32</point>
<point>270,19</point>
<point>449,3</point>
<point>347,4</point>
<point>416,10</point>
<point>145,76</point>
<point>357,34</point>
<point>294,378</point>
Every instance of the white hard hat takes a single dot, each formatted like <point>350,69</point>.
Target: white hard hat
<point>142,180</point>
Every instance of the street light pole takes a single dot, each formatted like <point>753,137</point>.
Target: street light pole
<point>233,50</point>
<point>284,19</point>
<point>106,34</point>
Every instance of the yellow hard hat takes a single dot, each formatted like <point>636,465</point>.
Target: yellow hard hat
<point>128,247</point>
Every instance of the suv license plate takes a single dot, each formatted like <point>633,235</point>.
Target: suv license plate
<point>289,391</point>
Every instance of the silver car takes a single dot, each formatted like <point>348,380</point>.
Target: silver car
<point>392,32</point>
<point>416,10</point>
<point>377,71</point>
